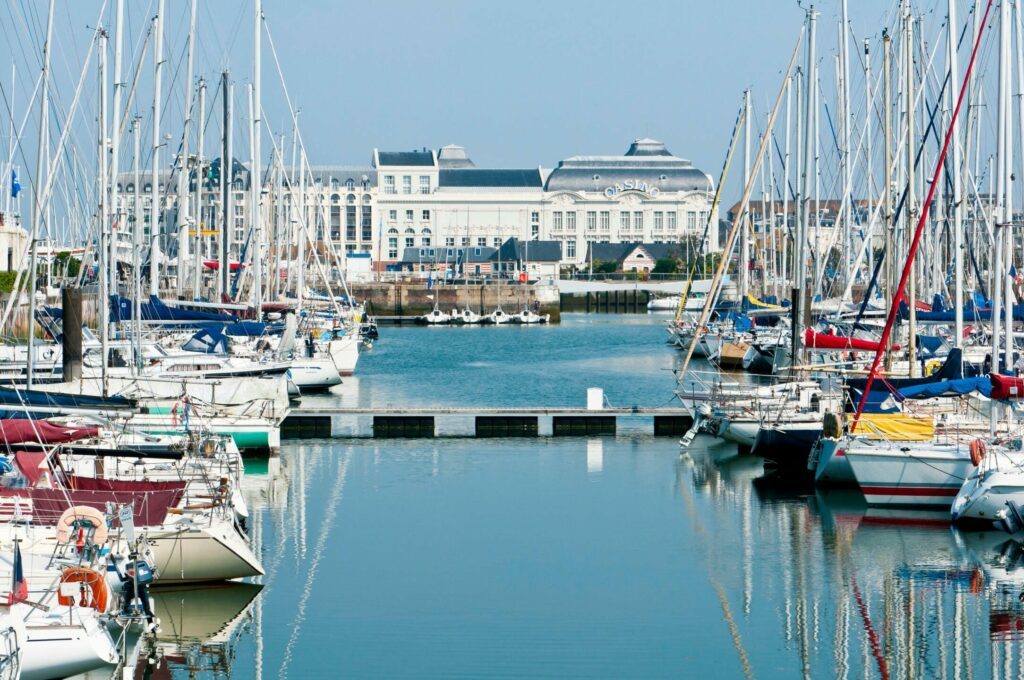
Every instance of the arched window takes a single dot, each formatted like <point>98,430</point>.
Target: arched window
<point>130,189</point>
<point>392,232</point>
<point>335,198</point>
<point>350,184</point>
<point>366,197</point>
<point>351,199</point>
<point>335,184</point>
<point>425,235</point>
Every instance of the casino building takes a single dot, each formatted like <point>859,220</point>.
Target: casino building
<point>437,201</point>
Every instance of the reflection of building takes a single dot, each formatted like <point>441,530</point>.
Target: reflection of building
<point>441,199</point>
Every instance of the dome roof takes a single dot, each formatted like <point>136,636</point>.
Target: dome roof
<point>647,147</point>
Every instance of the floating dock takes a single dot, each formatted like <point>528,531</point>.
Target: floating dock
<point>414,422</point>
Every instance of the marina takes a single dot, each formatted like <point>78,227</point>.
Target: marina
<point>452,411</point>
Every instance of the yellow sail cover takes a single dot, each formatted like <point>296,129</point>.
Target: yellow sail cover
<point>898,427</point>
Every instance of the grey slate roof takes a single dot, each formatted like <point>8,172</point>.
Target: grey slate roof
<point>421,158</point>
<point>617,252</point>
<point>514,250</point>
<point>491,178</point>
<point>343,173</point>
<point>446,254</point>
<point>454,156</point>
<point>646,160</point>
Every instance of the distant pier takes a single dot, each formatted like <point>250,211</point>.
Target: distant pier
<point>408,422</point>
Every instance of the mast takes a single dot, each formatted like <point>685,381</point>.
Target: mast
<point>155,207</point>
<point>104,206</point>
<point>137,243</point>
<point>300,277</point>
<point>115,149</point>
<point>957,212</point>
<point>9,175</point>
<point>1002,170</point>
<point>744,233</point>
<point>867,152</point>
<point>200,179</point>
<point>256,177</point>
<point>226,190</point>
<point>42,157</point>
<point>808,166</point>
<point>890,245</point>
<point>784,273</point>
<point>845,156</point>
<point>911,211</point>
<point>182,213</point>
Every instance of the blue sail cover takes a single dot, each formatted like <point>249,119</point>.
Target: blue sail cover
<point>239,329</point>
<point>207,341</point>
<point>14,398</point>
<point>947,388</point>
<point>156,310</point>
<point>972,313</point>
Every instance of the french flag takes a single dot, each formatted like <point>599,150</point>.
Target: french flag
<point>19,586</point>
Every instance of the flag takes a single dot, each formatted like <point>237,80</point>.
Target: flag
<point>430,279</point>
<point>19,586</point>
<point>15,184</point>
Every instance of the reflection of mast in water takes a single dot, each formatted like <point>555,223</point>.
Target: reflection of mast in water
<point>748,551</point>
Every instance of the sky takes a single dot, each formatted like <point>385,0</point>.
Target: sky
<point>519,84</point>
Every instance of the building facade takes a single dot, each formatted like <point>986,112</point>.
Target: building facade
<point>440,199</point>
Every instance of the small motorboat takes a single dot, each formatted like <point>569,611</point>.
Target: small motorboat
<point>466,316</point>
<point>497,317</point>
<point>994,490</point>
<point>436,317</point>
<point>528,316</point>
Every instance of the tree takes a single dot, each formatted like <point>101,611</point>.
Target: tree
<point>665,265</point>
<point>606,267</point>
<point>67,264</point>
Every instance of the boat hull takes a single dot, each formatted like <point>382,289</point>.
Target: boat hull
<point>928,476</point>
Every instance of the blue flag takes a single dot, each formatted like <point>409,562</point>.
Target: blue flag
<point>15,185</point>
<point>430,279</point>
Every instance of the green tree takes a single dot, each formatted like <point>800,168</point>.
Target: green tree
<point>665,265</point>
<point>606,267</point>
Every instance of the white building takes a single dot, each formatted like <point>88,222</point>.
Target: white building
<point>440,198</point>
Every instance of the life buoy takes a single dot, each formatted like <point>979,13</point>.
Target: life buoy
<point>48,354</point>
<point>978,450</point>
<point>93,592</point>
<point>932,366</point>
<point>78,516</point>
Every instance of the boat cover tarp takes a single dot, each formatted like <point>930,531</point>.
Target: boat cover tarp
<point>1006,386</point>
<point>207,341</point>
<point>97,484</point>
<point>898,427</point>
<point>19,431</point>
<point>14,398</point>
<point>46,505</point>
<point>29,463</point>
<point>237,329</point>
<point>156,310</point>
<point>952,369</point>
<point>831,341</point>
<point>947,388</point>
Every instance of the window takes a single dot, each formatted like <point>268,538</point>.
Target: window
<point>335,222</point>
<point>659,220</point>
<point>392,244</point>
<point>392,214</point>
<point>672,220</point>
<point>465,241</point>
<point>350,222</point>
<point>591,220</point>
<point>624,220</point>
<point>606,220</point>
<point>556,221</point>
<point>691,220</point>
<point>389,184</point>
<point>482,243</point>
<point>570,248</point>
<point>408,215</point>
<point>426,215</point>
<point>703,217</point>
<point>638,221</point>
<point>535,217</point>
<point>449,241</point>
<point>570,220</point>
<point>367,223</point>
<point>497,241</point>
<point>350,184</point>
<point>534,230</point>
<point>425,238</point>
<point>406,184</point>
<point>424,184</point>
<point>410,238</point>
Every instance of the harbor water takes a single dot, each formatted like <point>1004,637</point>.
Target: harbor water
<point>586,557</point>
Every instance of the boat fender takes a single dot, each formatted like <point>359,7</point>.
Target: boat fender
<point>977,451</point>
<point>831,426</point>
<point>76,517</point>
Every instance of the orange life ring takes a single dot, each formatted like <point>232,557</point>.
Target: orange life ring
<point>94,591</point>
<point>977,451</point>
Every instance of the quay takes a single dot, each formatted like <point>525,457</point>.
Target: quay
<point>404,422</point>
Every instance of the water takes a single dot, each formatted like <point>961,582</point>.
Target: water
<point>594,557</point>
